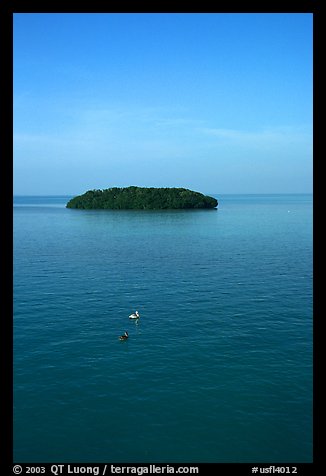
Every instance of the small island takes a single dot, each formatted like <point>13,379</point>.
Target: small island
<point>142,198</point>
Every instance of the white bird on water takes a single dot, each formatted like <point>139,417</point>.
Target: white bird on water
<point>134,315</point>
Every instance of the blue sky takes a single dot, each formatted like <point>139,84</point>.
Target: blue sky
<point>219,103</point>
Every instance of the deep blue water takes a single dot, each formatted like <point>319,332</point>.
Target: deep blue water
<point>217,369</point>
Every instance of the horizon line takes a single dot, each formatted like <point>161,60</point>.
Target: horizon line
<point>211,193</point>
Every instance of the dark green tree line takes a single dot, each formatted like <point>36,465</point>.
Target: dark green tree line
<point>142,198</point>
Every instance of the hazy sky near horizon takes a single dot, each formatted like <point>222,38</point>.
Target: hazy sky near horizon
<point>219,103</point>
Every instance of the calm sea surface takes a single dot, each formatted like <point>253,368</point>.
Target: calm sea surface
<point>217,369</point>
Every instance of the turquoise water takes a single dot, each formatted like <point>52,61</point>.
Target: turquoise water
<point>217,369</point>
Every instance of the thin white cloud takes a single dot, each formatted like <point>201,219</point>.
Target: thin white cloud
<point>39,140</point>
<point>143,116</point>
<point>267,137</point>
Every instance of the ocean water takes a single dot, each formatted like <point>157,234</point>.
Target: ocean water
<point>217,369</point>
